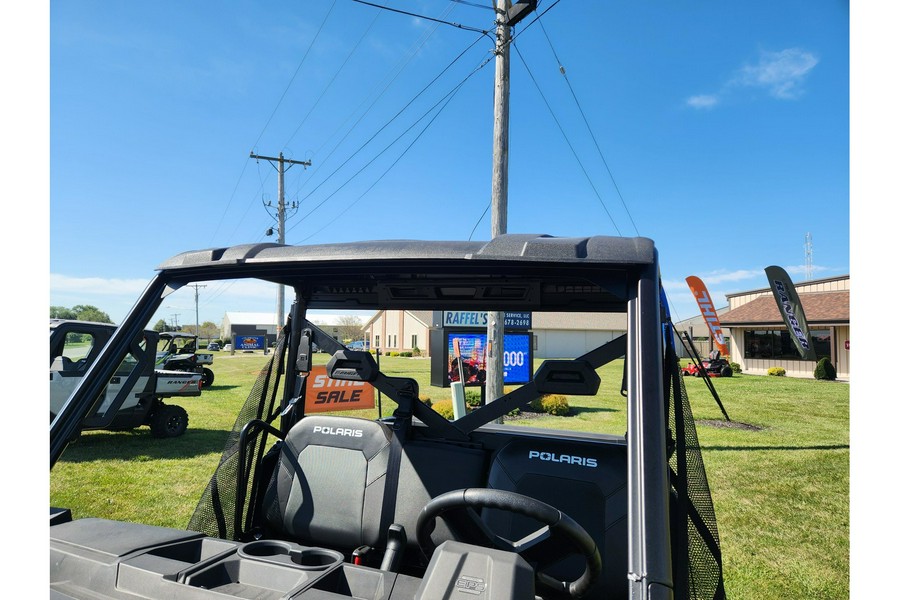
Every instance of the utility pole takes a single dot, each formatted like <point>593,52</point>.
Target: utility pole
<point>499,179</point>
<point>281,160</point>
<point>197,287</point>
<point>507,17</point>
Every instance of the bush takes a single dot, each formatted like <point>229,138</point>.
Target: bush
<point>825,370</point>
<point>444,408</point>
<point>406,354</point>
<point>777,371</point>
<point>416,351</point>
<point>552,404</point>
<point>735,368</point>
<point>473,398</point>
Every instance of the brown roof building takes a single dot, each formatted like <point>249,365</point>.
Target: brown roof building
<point>760,340</point>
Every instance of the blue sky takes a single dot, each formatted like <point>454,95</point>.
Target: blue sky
<point>722,128</point>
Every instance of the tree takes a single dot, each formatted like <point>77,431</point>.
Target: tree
<point>82,312</point>
<point>350,327</point>
<point>61,312</point>
<point>160,326</point>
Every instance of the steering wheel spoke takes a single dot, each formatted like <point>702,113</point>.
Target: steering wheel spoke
<point>557,538</point>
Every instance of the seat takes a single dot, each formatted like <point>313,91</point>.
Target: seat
<point>588,482</point>
<point>328,485</point>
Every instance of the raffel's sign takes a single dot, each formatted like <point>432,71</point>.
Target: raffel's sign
<point>465,318</point>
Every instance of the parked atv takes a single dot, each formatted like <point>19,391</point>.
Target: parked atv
<point>715,366</point>
<point>134,394</point>
<point>178,352</point>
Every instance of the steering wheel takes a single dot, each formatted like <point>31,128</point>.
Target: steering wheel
<point>559,538</point>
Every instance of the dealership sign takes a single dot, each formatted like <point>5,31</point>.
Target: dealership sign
<point>249,342</point>
<point>324,394</point>
<point>468,318</point>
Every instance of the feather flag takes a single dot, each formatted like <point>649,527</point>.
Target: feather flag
<point>701,295</point>
<point>791,311</point>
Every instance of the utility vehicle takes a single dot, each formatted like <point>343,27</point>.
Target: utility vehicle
<point>134,392</point>
<point>323,506</point>
<point>178,352</point>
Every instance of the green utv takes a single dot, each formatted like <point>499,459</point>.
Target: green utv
<point>314,506</point>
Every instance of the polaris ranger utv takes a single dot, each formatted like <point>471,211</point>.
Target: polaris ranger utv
<point>309,505</point>
<point>134,392</point>
<point>178,352</point>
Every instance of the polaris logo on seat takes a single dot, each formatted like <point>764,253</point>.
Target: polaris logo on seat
<point>563,458</point>
<point>344,431</point>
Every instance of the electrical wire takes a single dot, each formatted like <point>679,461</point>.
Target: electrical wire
<point>562,70</point>
<point>445,101</point>
<point>391,120</point>
<point>412,53</point>
<point>338,72</point>
<point>268,121</point>
<point>577,159</point>
<point>418,16</point>
<point>486,209</point>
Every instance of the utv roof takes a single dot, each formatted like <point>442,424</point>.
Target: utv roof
<point>536,248</point>
<point>517,271</point>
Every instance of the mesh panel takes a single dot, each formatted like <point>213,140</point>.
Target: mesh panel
<point>697,555</point>
<point>215,513</point>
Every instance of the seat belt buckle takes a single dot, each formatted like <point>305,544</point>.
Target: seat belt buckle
<point>360,556</point>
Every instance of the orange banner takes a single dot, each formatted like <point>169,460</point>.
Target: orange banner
<point>701,295</point>
<point>324,394</point>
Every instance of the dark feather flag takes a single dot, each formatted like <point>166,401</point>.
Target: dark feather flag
<point>791,311</point>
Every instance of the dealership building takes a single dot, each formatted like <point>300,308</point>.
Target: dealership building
<point>554,335</point>
<point>760,340</point>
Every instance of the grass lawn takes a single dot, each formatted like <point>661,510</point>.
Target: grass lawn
<point>779,471</point>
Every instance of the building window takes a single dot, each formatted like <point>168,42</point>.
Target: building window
<point>415,341</point>
<point>535,342</point>
<point>378,341</point>
<point>777,344</point>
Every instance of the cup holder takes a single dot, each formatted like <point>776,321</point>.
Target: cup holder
<point>287,553</point>
<point>265,549</point>
<point>316,558</point>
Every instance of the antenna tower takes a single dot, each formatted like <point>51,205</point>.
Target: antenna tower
<point>807,247</point>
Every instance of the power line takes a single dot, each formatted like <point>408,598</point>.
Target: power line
<point>423,39</point>
<point>445,100</point>
<point>294,76</point>
<point>418,16</point>
<point>269,120</point>
<point>391,120</point>
<point>566,137</point>
<point>333,78</point>
<point>562,71</point>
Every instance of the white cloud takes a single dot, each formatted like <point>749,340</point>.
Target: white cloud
<point>63,284</point>
<point>781,73</point>
<point>702,101</point>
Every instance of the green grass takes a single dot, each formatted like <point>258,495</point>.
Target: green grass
<point>779,473</point>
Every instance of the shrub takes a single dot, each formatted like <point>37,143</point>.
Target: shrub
<point>416,351</point>
<point>406,353</point>
<point>444,408</point>
<point>825,370</point>
<point>552,404</point>
<point>777,371</point>
<point>473,398</point>
<point>735,368</point>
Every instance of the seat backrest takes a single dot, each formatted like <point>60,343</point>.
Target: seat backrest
<point>586,481</point>
<point>328,484</point>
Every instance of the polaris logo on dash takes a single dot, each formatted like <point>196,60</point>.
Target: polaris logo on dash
<point>338,431</point>
<point>563,458</point>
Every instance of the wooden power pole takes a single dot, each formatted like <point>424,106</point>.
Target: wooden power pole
<point>281,160</point>
<point>499,184</point>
